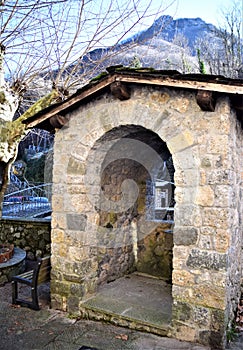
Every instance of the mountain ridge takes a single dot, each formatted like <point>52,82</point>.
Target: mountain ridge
<point>166,28</point>
<point>166,44</point>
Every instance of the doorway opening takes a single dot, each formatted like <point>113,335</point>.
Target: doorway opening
<point>135,228</point>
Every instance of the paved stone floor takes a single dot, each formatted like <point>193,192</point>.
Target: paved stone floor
<point>25,329</point>
<point>137,298</point>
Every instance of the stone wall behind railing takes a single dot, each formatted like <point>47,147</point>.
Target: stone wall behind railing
<point>34,236</point>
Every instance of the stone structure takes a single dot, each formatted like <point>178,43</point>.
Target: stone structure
<point>13,266</point>
<point>100,230</point>
<point>32,236</point>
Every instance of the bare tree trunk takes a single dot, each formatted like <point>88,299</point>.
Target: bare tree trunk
<point>8,107</point>
<point>2,50</point>
<point>12,131</point>
<point>4,178</point>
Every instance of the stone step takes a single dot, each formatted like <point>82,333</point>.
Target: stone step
<point>96,314</point>
<point>136,301</point>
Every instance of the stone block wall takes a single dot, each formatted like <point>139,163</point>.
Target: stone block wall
<point>32,236</point>
<point>155,252</point>
<point>117,255</point>
<point>240,160</point>
<point>207,237</point>
<point>235,270</point>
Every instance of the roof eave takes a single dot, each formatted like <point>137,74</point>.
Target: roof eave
<point>224,86</point>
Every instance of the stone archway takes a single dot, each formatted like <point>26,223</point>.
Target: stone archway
<point>201,234</point>
<point>129,181</point>
<point>134,232</point>
<point>77,266</point>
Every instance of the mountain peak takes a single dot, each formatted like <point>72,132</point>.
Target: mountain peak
<point>167,28</point>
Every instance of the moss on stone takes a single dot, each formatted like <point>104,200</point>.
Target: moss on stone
<point>39,105</point>
<point>98,77</point>
<point>155,254</point>
<point>2,97</point>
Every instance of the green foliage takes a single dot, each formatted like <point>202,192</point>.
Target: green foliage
<point>35,170</point>
<point>135,63</point>
<point>202,68</point>
<point>231,333</point>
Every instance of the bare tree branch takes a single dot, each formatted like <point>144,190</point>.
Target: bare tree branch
<point>45,50</point>
<point>222,50</point>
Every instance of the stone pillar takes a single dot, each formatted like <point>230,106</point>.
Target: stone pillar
<point>74,257</point>
<point>206,247</point>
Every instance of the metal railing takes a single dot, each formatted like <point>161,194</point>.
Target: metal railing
<point>30,202</point>
<point>17,182</point>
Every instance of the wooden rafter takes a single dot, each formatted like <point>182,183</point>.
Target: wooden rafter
<point>120,82</point>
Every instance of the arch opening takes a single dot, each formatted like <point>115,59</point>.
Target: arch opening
<point>136,235</point>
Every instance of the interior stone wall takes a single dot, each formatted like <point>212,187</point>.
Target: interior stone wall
<point>205,248</point>
<point>152,254</point>
<point>155,252</point>
<point>117,257</point>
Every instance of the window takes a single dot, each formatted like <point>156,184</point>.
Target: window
<point>160,195</point>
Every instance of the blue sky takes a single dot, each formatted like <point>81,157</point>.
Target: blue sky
<point>208,10</point>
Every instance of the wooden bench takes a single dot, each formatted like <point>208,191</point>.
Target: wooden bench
<point>32,278</point>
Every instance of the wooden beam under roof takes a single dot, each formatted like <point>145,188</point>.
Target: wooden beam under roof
<point>77,97</point>
<point>185,84</point>
<point>208,83</point>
